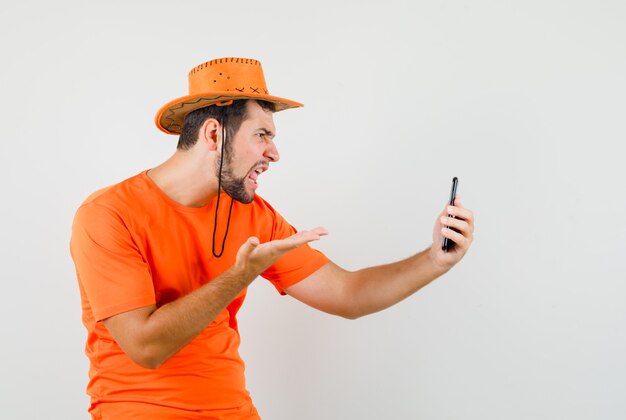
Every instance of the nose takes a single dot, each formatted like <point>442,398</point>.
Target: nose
<point>271,152</point>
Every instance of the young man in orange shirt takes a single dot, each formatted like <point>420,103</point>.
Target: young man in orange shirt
<point>164,258</point>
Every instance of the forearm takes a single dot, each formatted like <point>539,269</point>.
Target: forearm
<point>161,332</point>
<point>376,288</point>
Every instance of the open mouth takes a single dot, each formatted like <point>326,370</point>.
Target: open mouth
<point>254,175</point>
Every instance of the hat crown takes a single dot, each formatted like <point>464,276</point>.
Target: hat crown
<point>219,82</point>
<point>229,74</point>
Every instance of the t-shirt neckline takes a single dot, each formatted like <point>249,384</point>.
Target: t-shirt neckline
<point>177,206</point>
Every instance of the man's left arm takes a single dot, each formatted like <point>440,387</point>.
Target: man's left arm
<point>352,294</point>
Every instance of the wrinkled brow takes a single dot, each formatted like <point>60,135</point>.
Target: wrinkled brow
<point>267,132</point>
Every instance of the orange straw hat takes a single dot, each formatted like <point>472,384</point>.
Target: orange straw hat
<point>219,82</point>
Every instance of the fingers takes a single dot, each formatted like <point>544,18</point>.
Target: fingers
<point>460,212</point>
<point>315,233</point>
<point>302,237</point>
<point>459,224</point>
<point>456,237</point>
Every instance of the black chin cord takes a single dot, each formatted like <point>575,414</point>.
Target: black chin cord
<point>219,193</point>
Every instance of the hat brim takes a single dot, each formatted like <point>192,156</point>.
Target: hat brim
<point>171,116</point>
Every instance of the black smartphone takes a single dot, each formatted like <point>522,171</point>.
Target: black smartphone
<point>447,243</point>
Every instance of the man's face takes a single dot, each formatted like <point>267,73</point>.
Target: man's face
<point>248,154</point>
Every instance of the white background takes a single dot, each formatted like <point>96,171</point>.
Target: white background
<point>523,101</point>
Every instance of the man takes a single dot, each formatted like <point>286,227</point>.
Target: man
<point>164,258</point>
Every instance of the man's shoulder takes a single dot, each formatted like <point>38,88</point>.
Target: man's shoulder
<point>116,196</point>
<point>115,191</point>
<point>93,197</point>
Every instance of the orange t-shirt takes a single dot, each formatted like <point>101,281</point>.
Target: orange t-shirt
<point>132,247</point>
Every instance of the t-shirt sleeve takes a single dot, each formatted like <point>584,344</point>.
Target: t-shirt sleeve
<point>110,269</point>
<point>296,265</point>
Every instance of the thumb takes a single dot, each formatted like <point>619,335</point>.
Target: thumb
<point>246,249</point>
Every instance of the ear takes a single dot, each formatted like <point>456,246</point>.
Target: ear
<point>209,133</point>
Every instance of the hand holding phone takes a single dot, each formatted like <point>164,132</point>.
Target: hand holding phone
<point>447,243</point>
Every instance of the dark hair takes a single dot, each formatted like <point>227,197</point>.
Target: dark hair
<point>234,114</point>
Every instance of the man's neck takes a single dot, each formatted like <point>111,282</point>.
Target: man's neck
<point>186,178</point>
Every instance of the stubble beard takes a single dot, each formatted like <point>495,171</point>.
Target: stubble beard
<point>233,186</point>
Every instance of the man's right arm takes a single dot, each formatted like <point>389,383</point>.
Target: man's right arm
<point>151,335</point>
